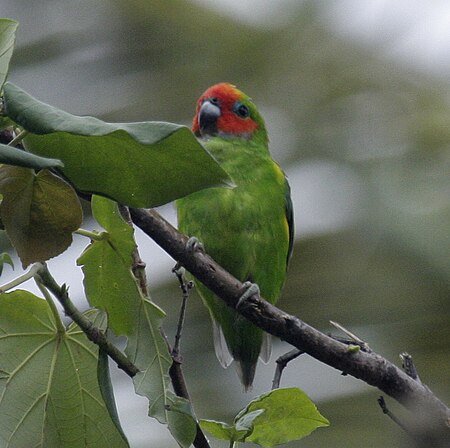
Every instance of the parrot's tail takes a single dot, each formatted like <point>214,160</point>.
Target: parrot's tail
<point>246,371</point>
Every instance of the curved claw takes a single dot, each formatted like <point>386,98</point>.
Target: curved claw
<point>193,244</point>
<point>252,288</point>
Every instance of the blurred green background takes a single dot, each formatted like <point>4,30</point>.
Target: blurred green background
<point>355,95</point>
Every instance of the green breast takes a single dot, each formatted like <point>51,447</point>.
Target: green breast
<point>243,229</point>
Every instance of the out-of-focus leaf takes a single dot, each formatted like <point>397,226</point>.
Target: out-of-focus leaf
<point>18,157</point>
<point>8,29</point>
<point>106,263</point>
<point>39,212</point>
<point>5,258</point>
<point>138,164</point>
<point>49,392</point>
<point>110,284</point>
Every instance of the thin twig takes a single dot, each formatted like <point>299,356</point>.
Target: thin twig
<point>185,287</point>
<point>356,339</point>
<point>18,138</point>
<point>93,333</point>
<point>282,362</point>
<point>386,411</point>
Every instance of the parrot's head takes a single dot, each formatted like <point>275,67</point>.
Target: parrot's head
<point>224,111</point>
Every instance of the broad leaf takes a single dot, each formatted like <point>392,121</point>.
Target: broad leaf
<point>19,157</point>
<point>49,395</point>
<point>39,212</point>
<point>288,415</point>
<point>108,280</point>
<point>7,37</point>
<point>110,284</point>
<point>138,164</point>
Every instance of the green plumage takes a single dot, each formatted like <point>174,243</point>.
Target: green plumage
<point>247,230</point>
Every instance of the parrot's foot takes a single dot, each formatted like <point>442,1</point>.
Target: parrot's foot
<point>252,288</point>
<point>194,245</point>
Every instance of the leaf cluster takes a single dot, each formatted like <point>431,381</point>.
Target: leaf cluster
<point>49,395</point>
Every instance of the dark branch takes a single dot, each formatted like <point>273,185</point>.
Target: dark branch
<point>366,366</point>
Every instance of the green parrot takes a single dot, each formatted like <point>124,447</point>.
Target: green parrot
<point>248,229</point>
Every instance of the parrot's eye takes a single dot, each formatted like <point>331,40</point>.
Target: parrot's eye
<point>241,110</point>
<point>214,100</point>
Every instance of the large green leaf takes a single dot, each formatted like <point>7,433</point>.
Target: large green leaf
<point>49,395</point>
<point>19,157</point>
<point>39,212</point>
<point>7,37</point>
<point>138,164</point>
<point>110,285</point>
<point>277,417</point>
<point>108,280</point>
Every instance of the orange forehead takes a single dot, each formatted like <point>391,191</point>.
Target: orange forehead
<point>223,91</point>
<point>228,122</point>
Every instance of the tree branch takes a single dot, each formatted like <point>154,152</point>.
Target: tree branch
<point>366,366</point>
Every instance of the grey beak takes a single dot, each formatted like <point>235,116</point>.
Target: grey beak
<point>207,118</point>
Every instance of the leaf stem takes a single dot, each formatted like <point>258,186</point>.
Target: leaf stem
<point>59,323</point>
<point>185,286</point>
<point>18,138</point>
<point>20,279</point>
<point>96,236</point>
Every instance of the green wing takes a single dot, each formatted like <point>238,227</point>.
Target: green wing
<point>289,210</point>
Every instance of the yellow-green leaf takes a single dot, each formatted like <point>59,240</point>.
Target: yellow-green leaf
<point>289,414</point>
<point>8,29</point>
<point>39,212</point>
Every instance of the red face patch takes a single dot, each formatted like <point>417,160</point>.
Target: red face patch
<point>229,122</point>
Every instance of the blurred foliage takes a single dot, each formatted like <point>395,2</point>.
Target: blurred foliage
<point>385,272</point>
